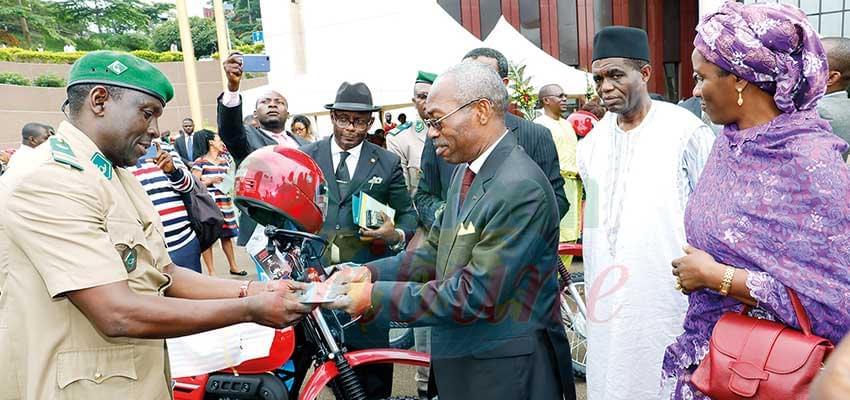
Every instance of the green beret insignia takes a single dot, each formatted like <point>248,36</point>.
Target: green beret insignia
<point>102,164</point>
<point>63,154</point>
<point>117,67</point>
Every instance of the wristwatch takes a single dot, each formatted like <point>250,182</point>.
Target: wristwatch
<point>399,246</point>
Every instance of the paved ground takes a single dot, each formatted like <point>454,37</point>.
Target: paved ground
<point>403,382</point>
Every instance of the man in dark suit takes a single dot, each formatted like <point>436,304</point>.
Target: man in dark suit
<point>485,280</point>
<point>352,165</point>
<point>187,147</point>
<point>270,113</point>
<point>535,139</point>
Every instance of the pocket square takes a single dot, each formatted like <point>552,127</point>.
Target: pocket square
<point>466,229</point>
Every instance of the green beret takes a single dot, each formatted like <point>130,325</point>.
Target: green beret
<point>425,77</point>
<point>123,70</point>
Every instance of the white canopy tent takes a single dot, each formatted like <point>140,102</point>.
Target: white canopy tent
<point>316,45</point>
<point>540,66</point>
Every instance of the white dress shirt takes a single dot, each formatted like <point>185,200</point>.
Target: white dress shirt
<point>351,161</point>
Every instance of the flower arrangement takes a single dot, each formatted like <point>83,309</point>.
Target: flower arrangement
<point>522,93</point>
<point>590,91</point>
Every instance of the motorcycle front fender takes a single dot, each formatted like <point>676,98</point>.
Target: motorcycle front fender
<point>327,371</point>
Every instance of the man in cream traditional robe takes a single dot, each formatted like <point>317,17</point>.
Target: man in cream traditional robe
<point>554,102</point>
<point>639,165</point>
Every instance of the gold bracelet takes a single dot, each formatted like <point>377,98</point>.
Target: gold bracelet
<point>728,275</point>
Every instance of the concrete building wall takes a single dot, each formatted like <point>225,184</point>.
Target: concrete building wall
<point>22,104</point>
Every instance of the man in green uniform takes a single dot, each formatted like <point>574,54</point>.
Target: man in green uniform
<point>408,139</point>
<point>88,290</point>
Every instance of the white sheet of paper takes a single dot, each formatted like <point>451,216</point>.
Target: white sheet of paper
<point>217,349</point>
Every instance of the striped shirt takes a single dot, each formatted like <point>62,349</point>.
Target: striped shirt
<point>164,191</point>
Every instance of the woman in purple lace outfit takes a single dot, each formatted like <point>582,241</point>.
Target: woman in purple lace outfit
<point>773,201</point>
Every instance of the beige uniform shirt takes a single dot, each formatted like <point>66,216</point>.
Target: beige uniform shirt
<point>68,221</point>
<point>409,144</point>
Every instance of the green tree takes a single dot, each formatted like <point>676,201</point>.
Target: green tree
<point>118,24</point>
<point>113,16</point>
<point>244,19</point>
<point>31,20</point>
<point>203,36</point>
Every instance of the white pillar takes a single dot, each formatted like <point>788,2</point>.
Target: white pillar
<point>223,39</point>
<point>189,62</point>
<point>283,34</point>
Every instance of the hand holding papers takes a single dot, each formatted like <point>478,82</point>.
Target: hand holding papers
<point>349,273</point>
<point>368,211</point>
<point>322,292</point>
<point>375,219</point>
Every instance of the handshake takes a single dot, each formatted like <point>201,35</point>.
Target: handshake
<point>352,286</point>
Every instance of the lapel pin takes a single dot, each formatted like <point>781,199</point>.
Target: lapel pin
<point>372,160</point>
<point>376,180</point>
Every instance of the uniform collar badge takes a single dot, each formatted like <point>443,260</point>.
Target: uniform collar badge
<point>419,126</point>
<point>62,153</point>
<point>102,164</point>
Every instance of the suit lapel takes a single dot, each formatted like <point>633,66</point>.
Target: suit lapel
<point>297,139</point>
<point>266,137</point>
<point>367,161</point>
<point>449,224</point>
<point>479,186</point>
<point>325,161</point>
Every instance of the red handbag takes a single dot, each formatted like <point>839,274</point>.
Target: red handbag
<point>749,358</point>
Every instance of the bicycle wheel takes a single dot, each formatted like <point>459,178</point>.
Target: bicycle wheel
<point>575,323</point>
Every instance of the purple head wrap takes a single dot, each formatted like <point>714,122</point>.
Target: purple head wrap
<point>770,45</point>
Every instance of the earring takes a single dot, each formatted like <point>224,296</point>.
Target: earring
<point>740,96</point>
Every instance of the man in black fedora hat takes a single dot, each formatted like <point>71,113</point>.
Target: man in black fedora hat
<point>352,165</point>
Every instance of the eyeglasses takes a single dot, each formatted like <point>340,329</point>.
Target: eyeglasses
<point>438,123</point>
<point>343,121</point>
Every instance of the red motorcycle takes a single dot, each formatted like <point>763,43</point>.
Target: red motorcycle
<point>255,379</point>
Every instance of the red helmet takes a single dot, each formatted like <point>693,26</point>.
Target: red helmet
<point>276,185</point>
<point>582,121</point>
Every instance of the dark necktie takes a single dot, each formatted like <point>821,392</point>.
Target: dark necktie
<point>342,175</point>
<point>468,176</point>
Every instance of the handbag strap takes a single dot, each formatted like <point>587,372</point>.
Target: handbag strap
<point>802,316</point>
<point>799,311</point>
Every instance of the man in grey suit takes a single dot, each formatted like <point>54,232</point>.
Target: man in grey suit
<point>535,139</point>
<point>270,112</point>
<point>352,165</point>
<point>485,280</point>
<point>835,106</point>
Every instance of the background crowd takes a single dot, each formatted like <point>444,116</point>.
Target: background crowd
<point>733,200</point>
